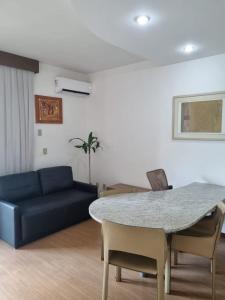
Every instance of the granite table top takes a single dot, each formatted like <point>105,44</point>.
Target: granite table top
<point>171,210</point>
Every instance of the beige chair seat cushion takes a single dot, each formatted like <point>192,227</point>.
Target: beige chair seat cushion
<point>133,262</point>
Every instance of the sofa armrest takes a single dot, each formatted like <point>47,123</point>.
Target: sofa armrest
<point>9,223</point>
<point>86,187</point>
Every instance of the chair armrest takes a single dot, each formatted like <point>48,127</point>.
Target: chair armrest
<point>170,187</point>
<point>9,223</point>
<point>86,187</point>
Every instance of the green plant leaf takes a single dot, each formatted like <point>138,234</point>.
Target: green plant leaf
<point>85,147</point>
<point>90,138</point>
<point>91,144</point>
<point>71,140</point>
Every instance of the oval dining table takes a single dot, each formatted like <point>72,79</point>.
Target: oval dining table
<point>172,210</point>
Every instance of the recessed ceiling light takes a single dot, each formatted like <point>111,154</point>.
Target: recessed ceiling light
<point>189,49</point>
<point>142,20</point>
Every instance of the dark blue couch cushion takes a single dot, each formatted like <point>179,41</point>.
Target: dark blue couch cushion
<point>55,211</point>
<point>56,179</point>
<point>19,186</point>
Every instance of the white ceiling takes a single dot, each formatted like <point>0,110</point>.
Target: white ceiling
<point>93,35</point>
<point>49,30</point>
<point>174,23</point>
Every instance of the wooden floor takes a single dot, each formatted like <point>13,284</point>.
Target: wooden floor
<point>66,266</point>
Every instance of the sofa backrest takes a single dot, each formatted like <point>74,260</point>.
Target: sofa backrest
<point>55,179</point>
<point>16,187</point>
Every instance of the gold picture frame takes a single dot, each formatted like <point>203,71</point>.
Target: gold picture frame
<point>199,117</point>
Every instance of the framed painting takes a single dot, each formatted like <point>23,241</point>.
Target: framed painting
<point>48,110</point>
<point>199,117</point>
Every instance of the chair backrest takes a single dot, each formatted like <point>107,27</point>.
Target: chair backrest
<point>220,217</point>
<point>116,191</point>
<point>135,240</point>
<point>158,180</point>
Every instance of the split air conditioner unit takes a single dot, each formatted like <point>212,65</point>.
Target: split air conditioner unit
<point>73,86</point>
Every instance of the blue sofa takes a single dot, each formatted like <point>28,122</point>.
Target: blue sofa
<point>35,204</point>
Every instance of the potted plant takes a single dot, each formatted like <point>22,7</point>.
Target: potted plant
<point>92,144</point>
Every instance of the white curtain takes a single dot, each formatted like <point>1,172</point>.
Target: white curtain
<point>16,120</point>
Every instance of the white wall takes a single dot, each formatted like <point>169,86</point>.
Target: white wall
<point>55,136</point>
<point>131,111</point>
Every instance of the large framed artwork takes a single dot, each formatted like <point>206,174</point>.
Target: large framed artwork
<point>199,117</point>
<point>48,110</point>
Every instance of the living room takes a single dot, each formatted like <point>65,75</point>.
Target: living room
<point>94,95</point>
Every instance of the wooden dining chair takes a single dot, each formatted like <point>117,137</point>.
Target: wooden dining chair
<point>202,241</point>
<point>134,248</point>
<point>158,180</point>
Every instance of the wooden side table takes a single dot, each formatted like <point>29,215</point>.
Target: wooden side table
<point>122,186</point>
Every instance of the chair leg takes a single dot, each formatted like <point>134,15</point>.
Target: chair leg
<point>102,251</point>
<point>118,274</point>
<point>160,287</point>
<point>105,281</point>
<point>211,266</point>
<point>213,269</point>
<point>175,257</point>
<point>168,272</point>
<point>102,246</point>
